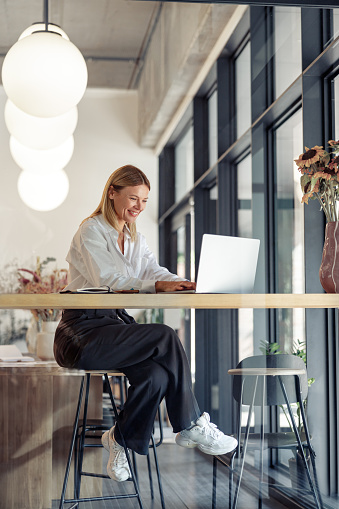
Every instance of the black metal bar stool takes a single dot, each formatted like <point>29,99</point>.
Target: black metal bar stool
<point>265,381</point>
<point>78,444</point>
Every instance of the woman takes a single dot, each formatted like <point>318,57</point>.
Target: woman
<point>107,250</point>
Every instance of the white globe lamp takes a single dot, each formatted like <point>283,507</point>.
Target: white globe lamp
<point>43,192</point>
<point>36,27</point>
<point>38,132</point>
<point>44,75</point>
<point>41,161</point>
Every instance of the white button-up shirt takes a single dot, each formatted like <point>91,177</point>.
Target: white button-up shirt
<point>95,259</point>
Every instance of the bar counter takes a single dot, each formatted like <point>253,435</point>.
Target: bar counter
<point>169,301</point>
<point>38,400</point>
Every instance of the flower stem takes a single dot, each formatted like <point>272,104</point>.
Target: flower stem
<point>322,204</point>
<point>333,206</point>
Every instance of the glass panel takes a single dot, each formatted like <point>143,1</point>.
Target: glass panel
<point>243,90</point>
<point>184,168</point>
<point>335,23</point>
<point>287,44</point>
<point>336,106</point>
<point>213,128</point>
<point>244,191</point>
<point>289,243</point>
<point>181,258</point>
<point>181,237</point>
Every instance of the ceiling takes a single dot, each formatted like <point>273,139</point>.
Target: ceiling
<point>112,35</point>
<point>162,49</point>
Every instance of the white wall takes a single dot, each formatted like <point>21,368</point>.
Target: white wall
<point>105,138</point>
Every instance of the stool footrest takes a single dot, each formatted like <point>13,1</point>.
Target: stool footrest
<point>101,476</point>
<point>92,474</point>
<point>96,499</point>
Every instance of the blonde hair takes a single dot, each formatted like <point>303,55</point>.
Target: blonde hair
<point>125,176</point>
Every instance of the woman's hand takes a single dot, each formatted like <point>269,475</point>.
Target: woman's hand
<point>174,286</point>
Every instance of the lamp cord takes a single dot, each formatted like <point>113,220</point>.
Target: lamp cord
<point>46,14</point>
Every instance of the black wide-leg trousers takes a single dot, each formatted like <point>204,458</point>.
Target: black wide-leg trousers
<point>150,355</point>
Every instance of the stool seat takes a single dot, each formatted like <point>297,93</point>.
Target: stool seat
<point>111,372</point>
<point>266,371</point>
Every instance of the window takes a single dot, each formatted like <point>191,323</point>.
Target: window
<point>213,128</point>
<point>244,187</point>
<point>243,90</point>
<point>335,23</point>
<point>244,192</point>
<point>289,270</point>
<point>184,169</point>
<point>181,251</point>
<point>287,47</point>
<point>336,106</point>
<point>180,319</point>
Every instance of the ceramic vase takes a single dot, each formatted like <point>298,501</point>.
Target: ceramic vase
<point>329,268</point>
<point>45,341</point>
<point>31,336</point>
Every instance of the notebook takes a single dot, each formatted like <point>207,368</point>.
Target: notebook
<point>11,353</point>
<point>226,265</point>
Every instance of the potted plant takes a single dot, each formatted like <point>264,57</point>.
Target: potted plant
<point>46,278</point>
<point>320,181</point>
<point>296,466</point>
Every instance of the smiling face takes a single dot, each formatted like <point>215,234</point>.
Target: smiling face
<point>128,202</point>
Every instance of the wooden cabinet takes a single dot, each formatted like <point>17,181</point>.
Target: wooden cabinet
<point>38,403</point>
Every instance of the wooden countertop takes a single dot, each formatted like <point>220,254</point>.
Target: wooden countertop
<point>37,367</point>
<point>168,301</point>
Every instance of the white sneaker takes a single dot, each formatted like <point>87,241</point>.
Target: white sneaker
<point>117,466</point>
<point>207,437</point>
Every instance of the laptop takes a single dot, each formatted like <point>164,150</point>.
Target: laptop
<point>226,265</point>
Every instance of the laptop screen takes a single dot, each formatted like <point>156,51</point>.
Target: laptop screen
<point>227,264</point>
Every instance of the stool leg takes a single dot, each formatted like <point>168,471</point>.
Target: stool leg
<point>230,485</point>
<point>244,448</point>
<point>214,486</point>
<point>158,472</point>
<point>149,468</point>
<point>302,452</point>
<point>262,428</point>
<point>308,439</point>
<point>82,438</point>
<point>115,411</point>
<point>135,468</point>
<point>75,427</point>
<point>76,457</point>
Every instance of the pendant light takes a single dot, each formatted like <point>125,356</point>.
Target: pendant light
<point>37,27</point>
<point>38,161</point>
<point>43,73</point>
<point>43,192</point>
<point>38,132</point>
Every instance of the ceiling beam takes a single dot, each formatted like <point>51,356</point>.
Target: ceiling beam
<point>326,4</point>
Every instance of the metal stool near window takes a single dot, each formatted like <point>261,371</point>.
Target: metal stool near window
<point>86,429</point>
<point>267,381</point>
